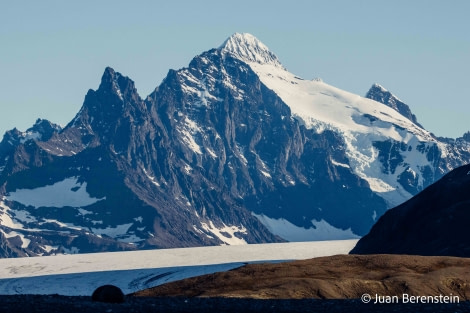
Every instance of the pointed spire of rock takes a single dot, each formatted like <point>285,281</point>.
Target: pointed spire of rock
<point>115,82</point>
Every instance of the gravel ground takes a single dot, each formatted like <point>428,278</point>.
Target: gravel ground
<point>56,304</point>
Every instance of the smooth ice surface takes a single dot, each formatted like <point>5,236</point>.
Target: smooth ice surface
<point>80,274</point>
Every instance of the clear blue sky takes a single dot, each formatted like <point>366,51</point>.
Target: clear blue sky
<point>52,52</point>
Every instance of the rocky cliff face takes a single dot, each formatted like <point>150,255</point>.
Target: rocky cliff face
<point>382,95</point>
<point>232,149</point>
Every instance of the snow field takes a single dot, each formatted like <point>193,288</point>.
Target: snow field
<point>80,274</point>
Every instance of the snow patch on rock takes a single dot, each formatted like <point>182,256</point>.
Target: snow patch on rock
<point>226,233</point>
<point>66,193</point>
<point>320,230</point>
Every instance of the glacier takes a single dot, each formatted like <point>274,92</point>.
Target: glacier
<point>80,274</point>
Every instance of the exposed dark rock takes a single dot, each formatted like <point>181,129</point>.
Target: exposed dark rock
<point>108,294</point>
<point>60,304</point>
<point>382,95</point>
<point>434,222</point>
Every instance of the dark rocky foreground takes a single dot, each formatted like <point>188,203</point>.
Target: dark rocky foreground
<point>434,222</point>
<point>332,277</point>
<point>327,284</point>
<point>56,304</point>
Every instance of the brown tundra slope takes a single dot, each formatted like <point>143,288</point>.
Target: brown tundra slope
<point>334,277</point>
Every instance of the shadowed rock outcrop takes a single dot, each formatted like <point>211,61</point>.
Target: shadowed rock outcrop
<point>434,222</point>
<point>108,294</point>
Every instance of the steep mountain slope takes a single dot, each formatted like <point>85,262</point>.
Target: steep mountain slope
<point>383,146</point>
<point>434,222</point>
<point>233,149</point>
<point>109,181</point>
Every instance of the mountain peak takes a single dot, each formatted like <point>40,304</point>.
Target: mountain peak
<point>110,78</point>
<point>120,85</point>
<point>248,48</point>
<point>380,94</point>
<point>378,89</point>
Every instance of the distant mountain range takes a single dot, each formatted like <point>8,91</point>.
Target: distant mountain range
<point>232,149</point>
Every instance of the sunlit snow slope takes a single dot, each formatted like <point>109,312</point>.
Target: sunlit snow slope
<point>362,122</point>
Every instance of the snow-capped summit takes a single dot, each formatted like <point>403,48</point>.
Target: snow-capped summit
<point>379,87</point>
<point>248,48</point>
<point>367,127</point>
